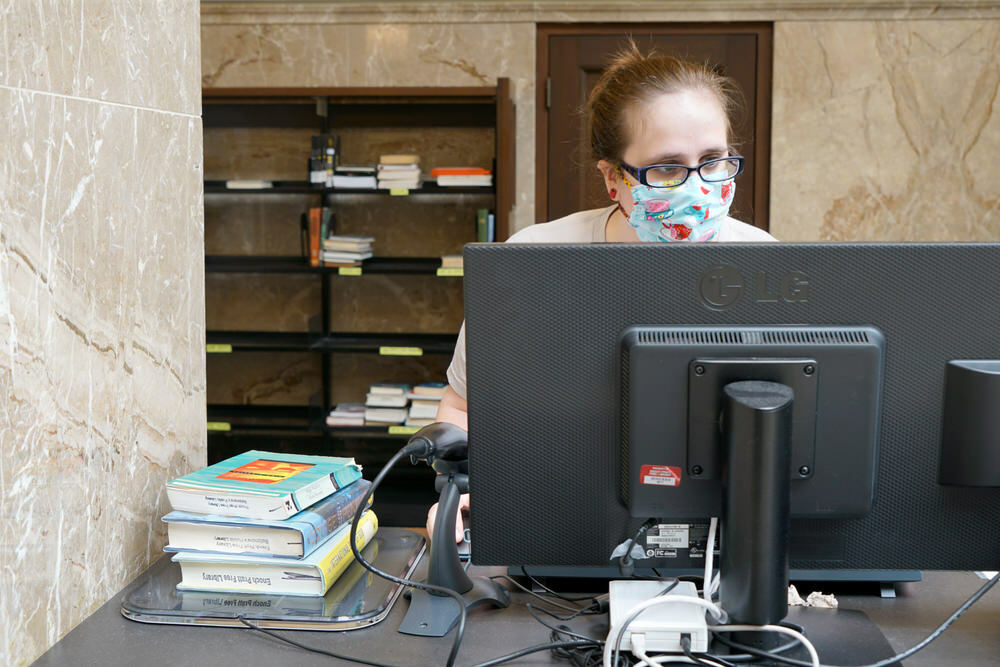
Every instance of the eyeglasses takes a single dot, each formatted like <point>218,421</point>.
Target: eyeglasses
<point>673,175</point>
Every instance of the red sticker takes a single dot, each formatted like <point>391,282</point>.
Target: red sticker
<point>660,475</point>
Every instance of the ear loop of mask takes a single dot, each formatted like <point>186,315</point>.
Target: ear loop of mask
<point>621,175</point>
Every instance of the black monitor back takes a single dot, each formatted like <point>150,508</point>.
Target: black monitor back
<point>543,324</point>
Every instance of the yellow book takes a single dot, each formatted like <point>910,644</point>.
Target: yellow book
<point>272,575</point>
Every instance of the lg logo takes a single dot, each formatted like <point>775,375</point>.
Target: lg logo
<point>722,286</point>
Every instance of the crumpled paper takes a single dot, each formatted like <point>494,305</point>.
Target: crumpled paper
<point>814,599</point>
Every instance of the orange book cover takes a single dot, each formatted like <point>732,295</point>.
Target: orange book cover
<point>459,171</point>
<point>314,240</point>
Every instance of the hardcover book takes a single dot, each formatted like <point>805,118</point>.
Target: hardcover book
<point>312,575</point>
<point>296,536</point>
<point>261,485</point>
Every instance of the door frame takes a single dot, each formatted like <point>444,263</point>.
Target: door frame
<point>761,101</point>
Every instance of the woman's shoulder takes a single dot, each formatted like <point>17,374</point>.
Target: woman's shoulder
<point>580,227</point>
<point>734,231</point>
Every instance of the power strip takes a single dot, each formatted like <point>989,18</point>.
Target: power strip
<point>663,624</point>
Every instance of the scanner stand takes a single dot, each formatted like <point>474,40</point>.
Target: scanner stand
<point>433,614</point>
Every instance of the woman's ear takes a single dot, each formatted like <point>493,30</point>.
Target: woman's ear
<point>610,172</point>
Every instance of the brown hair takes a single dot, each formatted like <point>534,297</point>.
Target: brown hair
<point>632,79</point>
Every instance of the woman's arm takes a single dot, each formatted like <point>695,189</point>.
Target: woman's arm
<point>454,410</point>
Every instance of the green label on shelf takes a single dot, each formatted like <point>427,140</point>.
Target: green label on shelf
<point>399,192</point>
<point>218,348</point>
<point>403,430</point>
<point>349,271</point>
<point>219,426</point>
<point>401,351</point>
<point>451,271</point>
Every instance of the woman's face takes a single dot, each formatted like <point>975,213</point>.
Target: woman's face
<point>686,127</point>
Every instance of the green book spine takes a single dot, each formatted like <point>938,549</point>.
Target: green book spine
<point>482,225</point>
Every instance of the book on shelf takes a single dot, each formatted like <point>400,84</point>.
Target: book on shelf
<point>343,257</point>
<point>385,416</point>
<point>394,388</point>
<point>274,575</point>
<point>482,225</point>
<point>347,414</point>
<point>248,184</point>
<point>385,401</point>
<point>423,410</point>
<point>459,171</point>
<point>323,158</point>
<point>464,181</point>
<point>398,158</point>
<point>425,403</point>
<point>417,423</point>
<point>353,182</point>
<point>491,233</point>
<point>315,226</point>
<point>261,485</point>
<point>451,262</point>
<point>346,243</point>
<point>429,391</point>
<point>295,537</point>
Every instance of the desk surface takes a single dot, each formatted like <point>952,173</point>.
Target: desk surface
<point>106,638</point>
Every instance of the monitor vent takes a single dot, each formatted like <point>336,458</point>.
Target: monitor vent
<point>777,336</point>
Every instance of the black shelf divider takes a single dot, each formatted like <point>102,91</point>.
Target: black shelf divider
<point>305,187</point>
<point>270,264</point>
<point>271,341</point>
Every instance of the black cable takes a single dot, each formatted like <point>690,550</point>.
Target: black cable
<point>625,563</point>
<point>270,633</point>
<point>576,610</point>
<point>701,659</point>
<point>533,649</point>
<point>411,449</point>
<point>899,656</point>
<point>552,592</point>
<point>561,629</point>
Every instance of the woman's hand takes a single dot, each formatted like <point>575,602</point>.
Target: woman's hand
<point>463,504</point>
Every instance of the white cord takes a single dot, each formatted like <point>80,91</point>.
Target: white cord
<point>772,628</point>
<point>709,552</point>
<point>639,651</point>
<point>617,632</point>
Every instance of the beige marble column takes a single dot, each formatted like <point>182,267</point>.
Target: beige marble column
<point>102,371</point>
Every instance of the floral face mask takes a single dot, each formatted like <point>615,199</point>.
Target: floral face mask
<point>693,211</point>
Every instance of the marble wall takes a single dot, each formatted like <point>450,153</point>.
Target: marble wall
<point>102,370</point>
<point>867,93</point>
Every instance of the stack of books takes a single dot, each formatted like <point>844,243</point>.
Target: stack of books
<point>398,172</point>
<point>343,250</point>
<point>347,414</point>
<point>424,401</point>
<point>386,404</point>
<point>267,523</point>
<point>462,176</point>
<point>359,177</point>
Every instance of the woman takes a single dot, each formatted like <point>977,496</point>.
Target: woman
<point>661,132</point>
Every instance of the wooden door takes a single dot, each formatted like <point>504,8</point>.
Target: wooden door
<point>572,57</point>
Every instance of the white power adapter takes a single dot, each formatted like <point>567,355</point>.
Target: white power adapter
<point>662,624</point>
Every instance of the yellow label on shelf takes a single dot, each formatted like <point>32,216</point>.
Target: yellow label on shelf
<point>218,348</point>
<point>399,192</point>
<point>401,351</point>
<point>451,271</point>
<point>219,426</point>
<point>403,430</point>
<point>349,271</point>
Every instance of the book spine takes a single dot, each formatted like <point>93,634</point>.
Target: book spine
<point>229,504</point>
<point>341,556</point>
<point>314,239</point>
<point>333,516</point>
<point>482,222</point>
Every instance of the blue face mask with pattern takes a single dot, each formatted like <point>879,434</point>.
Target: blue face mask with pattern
<point>693,211</point>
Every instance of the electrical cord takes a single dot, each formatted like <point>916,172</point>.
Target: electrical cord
<point>575,611</point>
<point>813,656</point>
<point>899,656</point>
<point>709,582</point>
<point>625,563</point>
<point>313,649</point>
<point>533,649</point>
<point>417,448</point>
<point>548,590</point>
<point>701,659</point>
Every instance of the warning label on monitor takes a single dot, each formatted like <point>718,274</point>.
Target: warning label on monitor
<point>660,475</point>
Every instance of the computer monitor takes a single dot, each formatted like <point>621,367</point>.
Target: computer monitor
<point>555,474</point>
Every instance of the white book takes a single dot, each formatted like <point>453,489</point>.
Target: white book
<point>385,415</point>
<point>423,411</point>
<point>385,401</point>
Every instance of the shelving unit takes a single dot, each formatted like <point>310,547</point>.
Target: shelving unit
<point>286,340</point>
